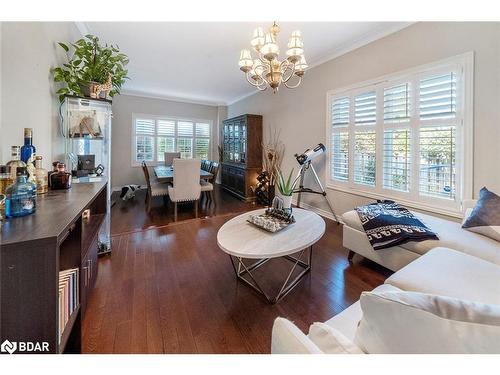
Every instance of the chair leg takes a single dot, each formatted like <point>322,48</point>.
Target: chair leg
<point>175,211</point>
<point>148,203</point>
<point>196,208</point>
<point>350,255</point>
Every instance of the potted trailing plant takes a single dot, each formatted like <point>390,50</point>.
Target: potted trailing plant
<point>286,188</point>
<point>91,68</point>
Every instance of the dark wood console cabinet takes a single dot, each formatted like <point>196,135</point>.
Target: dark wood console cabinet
<point>33,250</point>
<point>242,154</point>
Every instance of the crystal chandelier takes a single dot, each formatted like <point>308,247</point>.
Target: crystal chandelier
<point>267,70</point>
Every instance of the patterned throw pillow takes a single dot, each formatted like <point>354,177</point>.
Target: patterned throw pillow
<point>485,217</point>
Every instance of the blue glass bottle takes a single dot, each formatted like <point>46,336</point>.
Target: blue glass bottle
<point>21,196</point>
<point>28,149</point>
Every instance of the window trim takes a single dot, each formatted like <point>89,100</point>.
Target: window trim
<point>155,162</point>
<point>465,64</point>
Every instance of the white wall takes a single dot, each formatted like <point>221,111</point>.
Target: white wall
<point>122,172</point>
<point>301,113</point>
<point>28,53</point>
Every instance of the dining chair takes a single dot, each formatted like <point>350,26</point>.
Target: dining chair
<point>155,189</point>
<point>170,156</point>
<point>186,184</point>
<point>207,187</point>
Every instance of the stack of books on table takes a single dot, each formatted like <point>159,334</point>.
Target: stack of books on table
<point>68,296</point>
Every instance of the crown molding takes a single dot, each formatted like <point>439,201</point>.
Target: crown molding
<point>344,49</point>
<point>178,99</point>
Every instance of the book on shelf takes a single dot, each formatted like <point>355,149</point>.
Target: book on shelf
<point>68,296</point>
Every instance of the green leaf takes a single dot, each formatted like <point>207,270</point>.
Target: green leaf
<point>63,46</point>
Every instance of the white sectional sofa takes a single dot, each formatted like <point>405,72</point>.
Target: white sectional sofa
<point>450,233</point>
<point>443,298</point>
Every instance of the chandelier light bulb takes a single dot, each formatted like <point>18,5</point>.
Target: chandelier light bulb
<point>270,49</point>
<point>295,47</point>
<point>301,66</point>
<point>246,61</point>
<point>258,39</point>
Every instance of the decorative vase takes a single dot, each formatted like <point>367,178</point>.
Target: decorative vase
<point>271,192</point>
<point>89,88</point>
<point>287,203</point>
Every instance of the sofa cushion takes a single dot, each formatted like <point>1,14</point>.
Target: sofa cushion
<point>450,273</point>
<point>288,339</point>
<point>450,235</point>
<point>485,216</point>
<point>346,322</point>
<point>331,341</point>
<point>418,323</point>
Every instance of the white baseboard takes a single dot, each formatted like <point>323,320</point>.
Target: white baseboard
<point>319,211</point>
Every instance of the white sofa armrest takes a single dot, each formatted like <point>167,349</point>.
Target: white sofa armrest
<point>288,339</point>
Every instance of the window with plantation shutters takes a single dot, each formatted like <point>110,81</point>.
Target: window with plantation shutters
<point>405,137</point>
<point>155,135</point>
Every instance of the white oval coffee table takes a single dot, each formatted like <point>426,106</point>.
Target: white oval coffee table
<point>242,240</point>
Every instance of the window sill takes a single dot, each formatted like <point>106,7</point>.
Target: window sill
<point>410,204</point>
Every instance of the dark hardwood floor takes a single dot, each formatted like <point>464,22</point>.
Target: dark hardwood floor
<point>170,289</point>
<point>130,216</point>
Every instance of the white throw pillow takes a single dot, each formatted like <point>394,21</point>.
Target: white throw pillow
<point>331,341</point>
<point>410,322</point>
<point>288,339</point>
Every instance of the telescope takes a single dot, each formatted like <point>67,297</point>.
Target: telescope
<point>309,154</point>
<point>304,160</point>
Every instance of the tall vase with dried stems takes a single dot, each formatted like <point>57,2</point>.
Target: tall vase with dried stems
<point>273,150</point>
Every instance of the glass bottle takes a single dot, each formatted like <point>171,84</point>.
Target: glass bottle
<point>5,178</point>
<point>15,161</point>
<point>60,179</point>
<point>28,149</point>
<point>41,177</point>
<point>54,170</point>
<point>21,196</point>
<point>5,181</point>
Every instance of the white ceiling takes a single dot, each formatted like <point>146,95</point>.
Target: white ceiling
<point>198,61</point>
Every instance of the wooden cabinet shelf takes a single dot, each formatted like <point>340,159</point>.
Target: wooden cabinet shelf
<point>34,249</point>
<point>242,154</point>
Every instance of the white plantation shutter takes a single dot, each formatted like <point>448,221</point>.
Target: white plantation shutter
<point>364,157</point>
<point>166,138</point>
<point>437,161</point>
<point>144,140</point>
<point>144,126</point>
<point>365,108</point>
<point>184,129</point>
<point>166,127</point>
<point>340,112</point>
<point>340,139</point>
<point>340,156</point>
<point>397,103</point>
<point>438,96</point>
<point>202,130</point>
<point>397,159</point>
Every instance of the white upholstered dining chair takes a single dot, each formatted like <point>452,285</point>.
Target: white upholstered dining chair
<point>170,156</point>
<point>186,185</point>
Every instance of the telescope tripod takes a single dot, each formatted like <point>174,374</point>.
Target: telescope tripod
<point>300,176</point>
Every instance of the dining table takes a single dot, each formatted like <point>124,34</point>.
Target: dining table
<point>165,173</point>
